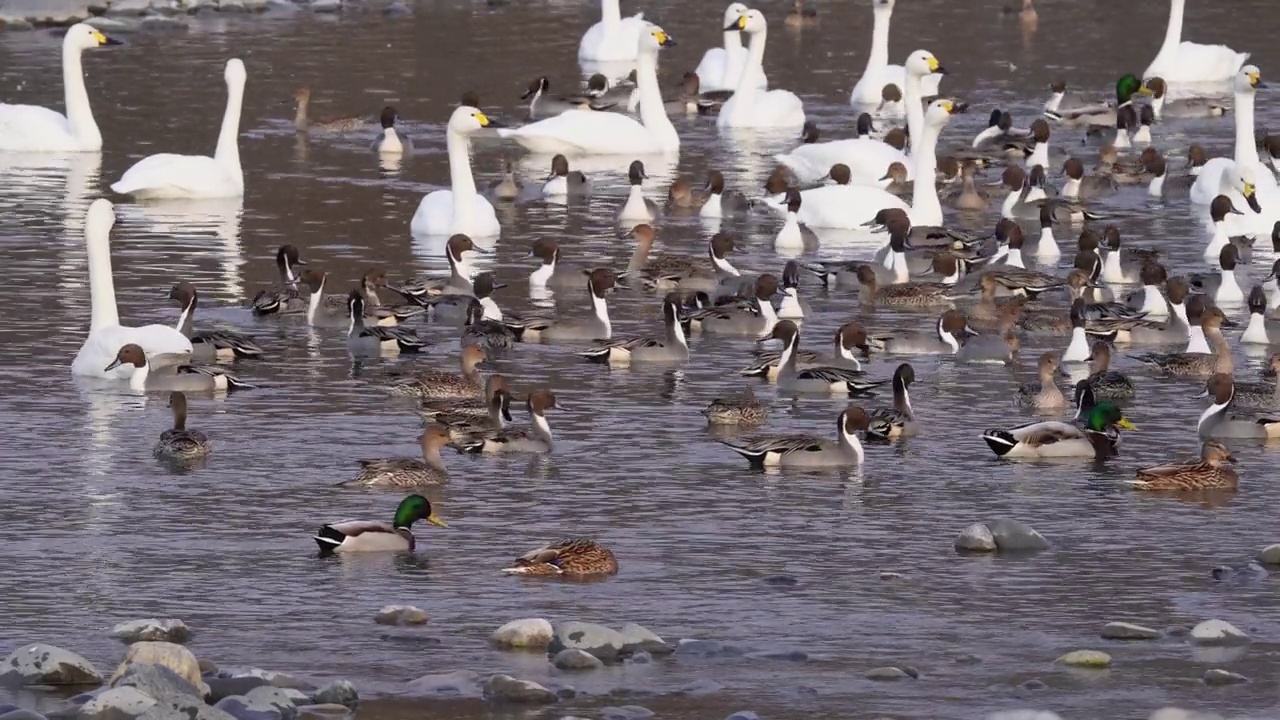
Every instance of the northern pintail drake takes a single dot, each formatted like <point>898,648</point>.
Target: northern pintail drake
<point>209,345</point>
<point>391,141</point>
<point>671,272</point>
<point>1212,471</point>
<point>1216,421</point>
<point>465,426</point>
<point>376,339</point>
<point>1047,249</point>
<point>1085,187</point>
<point>915,294</point>
<point>439,385</point>
<point>948,335</point>
<point>672,347</point>
<point>553,273</point>
<point>507,187</point>
<point>1228,291</point>
<point>1106,383</point>
<point>1059,103</point>
<point>178,444</point>
<point>1219,210</point>
<point>693,100</point>
<point>573,558</point>
<point>371,536</point>
<point>470,407</point>
<point>791,236</point>
<point>1022,281</point>
<point>283,299</point>
<point>791,306</point>
<point>848,337</point>
<point>1153,304</point>
<point>454,307</point>
<point>1197,364</point>
<point>406,472</point>
<point>1257,333</point>
<point>999,131</point>
<point>1098,438</point>
<point>1260,395</point>
<point>458,281</point>
<point>638,208</point>
<point>563,182</point>
<point>325,310</point>
<point>736,411</point>
<point>807,451</point>
<point>179,375</point>
<point>543,105</point>
<point>753,318</point>
<point>1043,393</point>
<point>534,439</point>
<point>1113,266</point>
<point>485,332</point>
<point>371,284</point>
<point>899,420</point>
<point>596,326</point>
<point>814,378</point>
<point>721,203</point>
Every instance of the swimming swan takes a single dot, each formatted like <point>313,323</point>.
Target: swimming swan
<point>106,334</point>
<point>460,209</point>
<point>195,176</point>
<point>750,106</point>
<point>1188,62</point>
<point>879,72</point>
<point>1243,171</point>
<point>587,132</point>
<point>868,159</point>
<point>721,67</point>
<point>32,128</point>
<point>614,37</point>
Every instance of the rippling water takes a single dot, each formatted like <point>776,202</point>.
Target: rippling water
<point>98,532</point>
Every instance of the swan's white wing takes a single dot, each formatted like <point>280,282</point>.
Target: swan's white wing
<point>170,175</point>
<point>847,207</point>
<point>773,108</point>
<point>1196,63</point>
<point>586,131</point>
<point>712,69</point>
<point>434,216</point>
<point>102,346</point>
<point>34,128</point>
<point>622,43</point>
<point>868,159</point>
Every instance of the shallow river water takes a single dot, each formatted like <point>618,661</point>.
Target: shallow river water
<point>98,532</point>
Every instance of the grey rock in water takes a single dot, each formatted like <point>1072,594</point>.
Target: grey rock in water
<point>171,655</point>
<point>175,696</point>
<point>1218,632</point>
<point>116,702</point>
<point>626,712</point>
<point>1092,659</point>
<point>326,6</point>
<point>328,711</point>
<point>506,689</point>
<point>605,643</point>
<point>456,684</point>
<point>22,714</point>
<point>151,629</point>
<point>339,692</point>
<point>888,674</point>
<point>1033,684</point>
<point>743,715</point>
<point>1016,536</point>
<point>1128,631</point>
<point>266,702</point>
<point>976,538</point>
<point>783,655</point>
<point>25,13</point>
<point>1248,572</point>
<point>637,637</point>
<point>220,687</point>
<point>1217,677</point>
<point>640,658</point>
<point>781,581</point>
<point>523,633</point>
<point>41,664</point>
<point>574,659</point>
<point>1270,555</point>
<point>401,615</point>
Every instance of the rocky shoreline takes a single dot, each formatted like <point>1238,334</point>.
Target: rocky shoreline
<point>131,14</point>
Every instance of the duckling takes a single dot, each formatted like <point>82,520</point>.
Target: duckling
<point>179,444</point>
<point>638,208</point>
<point>303,123</point>
<point>391,141</point>
<point>1099,438</point>
<point>1211,472</point>
<point>1184,107</point>
<point>508,188</point>
<point>178,375</point>
<point>284,299</point>
<point>1103,381</point>
<point>801,16</point>
<point>1044,393</point>
<point>563,182</point>
<point>210,345</point>
<point>573,558</point>
<point>736,411</point>
<point>900,420</point>
<point>371,536</point>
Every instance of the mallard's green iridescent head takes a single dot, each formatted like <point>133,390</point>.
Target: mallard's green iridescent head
<point>413,509</point>
<point>1104,415</point>
<point>1128,86</point>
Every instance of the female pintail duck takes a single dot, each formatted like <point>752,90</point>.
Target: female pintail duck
<point>371,536</point>
<point>377,339</point>
<point>1257,333</point>
<point>179,376</point>
<point>458,281</point>
<point>391,141</point>
<point>303,122</point>
<point>683,199</point>
<point>947,337</point>
<point>969,198</point>
<point>463,427</point>
<point>801,16</point>
<point>473,407</point>
<point>376,312</point>
<point>1044,394</point>
<point>719,203</point>
<point>1187,62</point>
<point>1212,471</point>
<point>535,439</point>
<point>454,307</point>
<point>638,208</point>
<point>563,182</point>
<point>323,311</point>
<point>572,558</point>
<point>791,305</point>
<point>1059,103</point>
<point>736,411</point>
<point>553,273</point>
<point>1104,382</point>
<point>1219,210</point>
<point>178,444</point>
<point>848,337</point>
<point>593,327</point>
<point>439,385</point>
<point>1216,421</point>
<point>1260,395</point>
<point>507,187</point>
<point>1099,437</point>
<point>899,420</point>
<point>404,472</point>
<point>209,345</point>
<point>915,294</point>
<point>484,332</point>
<point>807,451</point>
<point>1022,281</point>
<point>1197,364</point>
<point>672,347</point>
<point>1085,187</point>
<point>814,378</point>
<point>284,299</point>
<point>757,318</point>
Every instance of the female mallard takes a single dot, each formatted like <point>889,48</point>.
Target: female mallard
<point>576,557</point>
<point>373,536</point>
<point>1212,471</point>
<point>180,444</point>
<point>744,410</point>
<point>405,472</point>
<point>899,420</point>
<point>1099,438</point>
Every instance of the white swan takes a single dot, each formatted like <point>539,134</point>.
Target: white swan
<point>32,128</point>
<point>1232,176</point>
<point>196,176</point>
<point>589,132</point>
<point>868,159</point>
<point>1188,62</point>
<point>106,334</point>
<point>721,67</point>
<point>460,209</point>
<point>614,37</point>
<point>879,72</point>
<point>750,106</point>
<point>852,207</point>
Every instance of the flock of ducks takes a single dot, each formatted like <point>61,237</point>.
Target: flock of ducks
<point>978,292</point>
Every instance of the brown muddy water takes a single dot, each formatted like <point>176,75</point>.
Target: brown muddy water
<point>98,532</point>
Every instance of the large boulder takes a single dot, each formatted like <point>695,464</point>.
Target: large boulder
<point>175,696</point>
<point>41,664</point>
<point>637,637</point>
<point>605,643</point>
<point>524,633</point>
<point>116,702</point>
<point>170,655</point>
<point>151,630</point>
<point>1218,632</point>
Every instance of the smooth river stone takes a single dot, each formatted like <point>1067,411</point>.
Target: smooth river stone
<point>605,643</point>
<point>888,674</point>
<point>575,659</point>
<point>1218,676</point>
<point>338,692</point>
<point>41,664</point>
<point>456,684</point>
<point>504,688</point>
<point>1270,555</point>
<point>524,633</point>
<point>1218,632</point>
<point>401,615</point>
<point>637,638</point>
<point>170,655</point>
<point>1016,536</point>
<point>1085,659</point>
<point>1128,631</point>
<point>976,538</point>
<point>116,702</point>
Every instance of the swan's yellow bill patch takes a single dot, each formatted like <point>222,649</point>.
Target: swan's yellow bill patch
<point>933,64</point>
<point>480,118</point>
<point>1254,78</point>
<point>99,37</point>
<point>948,106</point>
<point>1249,189</point>
<point>662,38</point>
<point>742,22</point>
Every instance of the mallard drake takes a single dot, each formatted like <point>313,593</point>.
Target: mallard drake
<point>1103,381</point>
<point>806,451</point>
<point>1044,393</point>
<point>899,420</point>
<point>373,536</point>
<point>1216,421</point>
<point>404,472</point>
<point>1098,438</point>
<point>1212,472</point>
<point>179,444</point>
<point>743,410</point>
<point>575,557</point>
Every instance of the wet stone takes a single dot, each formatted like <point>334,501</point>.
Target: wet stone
<point>574,659</point>
<point>605,643</point>
<point>1095,659</point>
<point>700,688</point>
<point>1128,631</point>
<point>226,687</point>
<point>523,633</point>
<point>637,638</point>
<point>41,664</point>
<point>456,684</point>
<point>1270,555</point>
<point>743,715</point>
<point>888,673</point>
<point>781,581</point>
<point>152,629</point>
<point>976,538</point>
<point>338,692</point>
<point>506,689</point>
<point>1218,677</point>
<point>22,715</point>
<point>401,615</point>
<point>700,648</point>
<point>114,702</point>
<point>1033,684</point>
<point>640,658</point>
<point>1016,536</point>
<point>1218,632</point>
<point>626,712</point>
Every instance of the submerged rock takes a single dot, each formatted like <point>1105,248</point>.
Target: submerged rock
<point>1270,555</point>
<point>170,655</point>
<point>1173,713</point>
<point>524,633</point>
<point>574,659</point>
<point>152,629</point>
<point>605,643</point>
<point>401,615</point>
<point>456,684</point>
<point>338,692</point>
<point>636,638</point>
<point>1128,631</point>
<point>1085,659</point>
<point>699,648</point>
<point>41,664</point>
<point>1218,677</point>
<point>504,688</point>
<point>1016,536</point>
<point>743,715</point>
<point>888,673</point>
<point>1218,632</point>
<point>781,581</point>
<point>976,538</point>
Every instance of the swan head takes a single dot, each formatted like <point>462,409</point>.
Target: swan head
<point>83,37</point>
<point>655,38</point>
<point>1242,179</point>
<point>234,73</point>
<point>467,119</point>
<point>1248,79</point>
<point>940,111</point>
<point>750,23</point>
<point>100,218</point>
<point>732,13</point>
<point>923,62</point>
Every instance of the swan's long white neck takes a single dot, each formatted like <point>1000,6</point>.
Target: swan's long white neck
<point>926,209</point>
<point>102,288</point>
<point>1246,153</point>
<point>228,151</point>
<point>1172,33</point>
<point>745,94</point>
<point>611,14</point>
<point>878,60</point>
<point>461,181</point>
<point>912,96</point>
<point>653,114</point>
<point>79,116</point>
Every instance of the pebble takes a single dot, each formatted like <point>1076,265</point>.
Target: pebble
<point>626,712</point>
<point>151,629</point>
<point>976,538</point>
<point>1270,555</point>
<point>605,643</point>
<point>1218,677</point>
<point>41,664</point>
<point>575,659</point>
<point>1128,631</point>
<point>1218,632</point>
<point>338,692</point>
<point>887,674</point>
<point>1085,659</point>
<point>504,688</point>
<point>637,638</point>
<point>524,633</point>
<point>1016,536</point>
<point>401,615</point>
